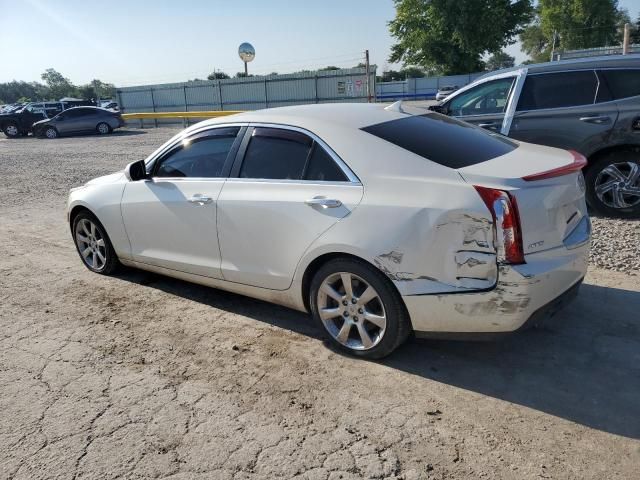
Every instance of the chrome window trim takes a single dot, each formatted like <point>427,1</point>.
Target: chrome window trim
<point>352,178</point>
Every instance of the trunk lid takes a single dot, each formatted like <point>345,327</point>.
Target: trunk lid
<point>550,209</point>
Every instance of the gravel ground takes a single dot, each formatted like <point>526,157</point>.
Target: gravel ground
<point>142,376</point>
<point>616,245</point>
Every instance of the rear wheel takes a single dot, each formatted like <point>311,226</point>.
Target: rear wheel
<point>103,128</point>
<point>613,184</point>
<point>11,130</point>
<point>358,308</point>
<point>93,244</point>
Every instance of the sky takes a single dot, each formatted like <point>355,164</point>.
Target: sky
<point>141,42</point>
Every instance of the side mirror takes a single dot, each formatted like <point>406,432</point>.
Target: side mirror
<point>439,108</point>
<point>136,171</point>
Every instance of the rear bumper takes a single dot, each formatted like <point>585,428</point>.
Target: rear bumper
<point>523,294</point>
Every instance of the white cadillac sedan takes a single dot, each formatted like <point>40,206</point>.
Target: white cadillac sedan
<point>379,221</point>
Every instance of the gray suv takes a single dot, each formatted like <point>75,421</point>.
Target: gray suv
<point>591,105</point>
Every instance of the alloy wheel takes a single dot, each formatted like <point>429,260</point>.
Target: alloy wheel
<point>12,130</point>
<point>91,244</point>
<point>352,311</point>
<point>103,128</point>
<point>618,185</point>
<point>51,133</point>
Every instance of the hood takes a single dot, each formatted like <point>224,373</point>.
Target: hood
<point>106,179</point>
<point>41,122</point>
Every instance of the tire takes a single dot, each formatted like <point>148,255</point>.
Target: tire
<point>613,184</point>
<point>93,244</point>
<point>50,133</point>
<point>103,128</point>
<point>11,130</point>
<point>345,322</point>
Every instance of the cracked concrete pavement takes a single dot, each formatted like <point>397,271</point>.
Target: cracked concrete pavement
<point>142,376</point>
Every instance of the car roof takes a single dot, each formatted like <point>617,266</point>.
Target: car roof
<point>605,61</point>
<point>312,116</point>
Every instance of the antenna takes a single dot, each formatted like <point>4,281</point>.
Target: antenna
<point>395,107</point>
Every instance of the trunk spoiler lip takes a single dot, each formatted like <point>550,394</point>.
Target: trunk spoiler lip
<point>579,162</point>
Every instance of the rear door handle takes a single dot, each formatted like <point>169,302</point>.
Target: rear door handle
<point>200,199</point>
<point>597,119</point>
<point>488,125</point>
<point>324,202</point>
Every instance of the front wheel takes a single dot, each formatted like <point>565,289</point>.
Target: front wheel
<point>103,128</point>
<point>11,130</point>
<point>613,184</point>
<point>358,308</point>
<point>93,244</point>
<point>50,133</point>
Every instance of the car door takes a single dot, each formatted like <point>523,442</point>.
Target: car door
<point>32,113</point>
<point>67,121</point>
<point>287,188</point>
<point>484,104</point>
<point>170,219</point>
<point>560,109</point>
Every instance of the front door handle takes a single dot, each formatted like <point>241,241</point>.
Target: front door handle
<point>600,119</point>
<point>324,202</point>
<point>489,125</point>
<point>200,199</point>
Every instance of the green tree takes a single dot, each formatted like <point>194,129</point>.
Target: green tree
<point>218,75</point>
<point>450,36</point>
<point>574,24</point>
<point>59,86</point>
<point>412,72</point>
<point>635,32</point>
<point>499,60</point>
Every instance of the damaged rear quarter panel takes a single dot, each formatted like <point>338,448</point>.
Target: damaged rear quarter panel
<point>433,236</point>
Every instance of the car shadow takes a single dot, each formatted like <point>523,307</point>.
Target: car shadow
<point>582,366</point>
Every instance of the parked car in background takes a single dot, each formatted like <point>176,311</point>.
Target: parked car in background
<point>379,221</point>
<point>19,121</point>
<point>79,120</point>
<point>444,92</point>
<point>110,105</point>
<point>591,105</point>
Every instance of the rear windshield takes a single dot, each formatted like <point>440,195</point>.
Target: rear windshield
<point>443,140</point>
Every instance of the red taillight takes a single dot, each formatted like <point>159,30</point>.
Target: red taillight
<point>504,210</point>
<point>579,162</point>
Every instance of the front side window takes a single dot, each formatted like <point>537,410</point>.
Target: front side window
<point>622,83</point>
<point>558,90</point>
<point>485,99</point>
<point>201,157</point>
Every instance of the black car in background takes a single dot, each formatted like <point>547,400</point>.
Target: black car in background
<point>18,122</point>
<point>79,120</point>
<point>591,105</point>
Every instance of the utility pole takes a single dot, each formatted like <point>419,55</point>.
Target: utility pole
<point>366,66</point>
<point>625,41</point>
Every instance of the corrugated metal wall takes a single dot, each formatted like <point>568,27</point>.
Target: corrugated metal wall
<point>249,93</point>
<point>420,88</point>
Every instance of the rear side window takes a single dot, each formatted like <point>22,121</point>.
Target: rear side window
<point>321,167</point>
<point>558,90</point>
<point>276,154</point>
<point>443,140</point>
<point>622,83</point>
